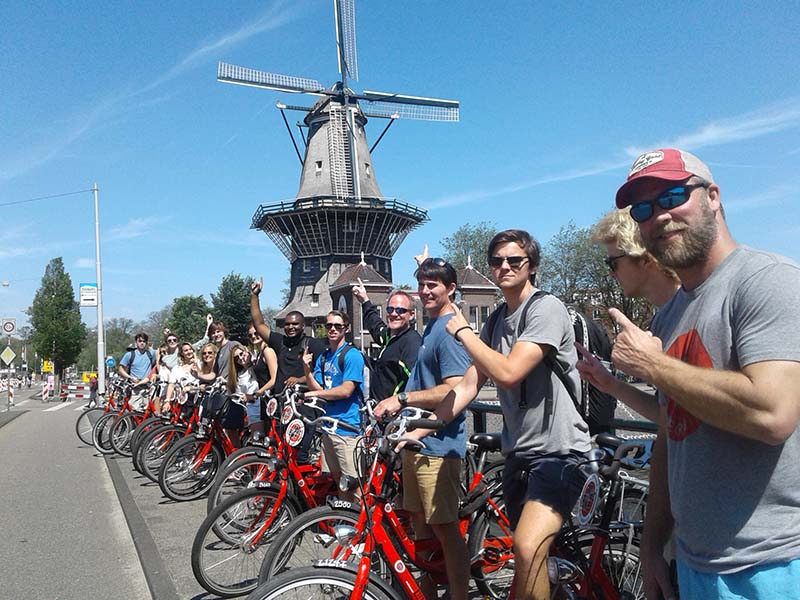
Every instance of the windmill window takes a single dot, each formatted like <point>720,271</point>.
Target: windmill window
<point>306,266</point>
<point>350,226</point>
<point>367,169</point>
<point>319,168</point>
<point>322,263</point>
<point>314,299</point>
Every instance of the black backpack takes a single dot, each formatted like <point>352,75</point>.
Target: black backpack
<point>347,348</point>
<point>596,408</point>
<point>150,354</point>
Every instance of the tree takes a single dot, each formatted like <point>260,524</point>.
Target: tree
<point>119,337</point>
<point>155,323</point>
<point>470,241</point>
<point>56,319</point>
<point>188,318</point>
<point>232,305</point>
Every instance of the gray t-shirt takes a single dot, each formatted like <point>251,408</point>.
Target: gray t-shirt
<point>736,501</point>
<point>551,424</point>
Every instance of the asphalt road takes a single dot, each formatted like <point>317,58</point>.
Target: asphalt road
<point>77,525</point>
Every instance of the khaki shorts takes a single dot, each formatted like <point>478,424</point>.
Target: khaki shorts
<point>432,486</point>
<point>337,454</point>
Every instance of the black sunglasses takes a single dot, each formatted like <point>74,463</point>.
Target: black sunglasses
<point>172,340</point>
<point>208,354</point>
<point>396,309</point>
<point>515,262</point>
<point>336,326</point>
<point>672,198</point>
<point>439,262</point>
<point>611,261</point>
<point>292,325</point>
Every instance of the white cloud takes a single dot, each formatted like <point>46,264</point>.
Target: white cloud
<point>136,228</point>
<point>773,195</point>
<point>84,263</point>
<point>770,119</point>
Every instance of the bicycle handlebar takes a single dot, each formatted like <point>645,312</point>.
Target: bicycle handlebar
<point>612,471</point>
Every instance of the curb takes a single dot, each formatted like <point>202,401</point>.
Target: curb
<point>155,569</point>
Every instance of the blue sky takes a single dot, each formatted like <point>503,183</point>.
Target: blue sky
<point>556,101</point>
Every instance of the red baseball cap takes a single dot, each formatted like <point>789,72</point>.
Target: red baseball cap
<point>670,164</point>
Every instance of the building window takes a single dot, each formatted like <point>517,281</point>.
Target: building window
<point>314,299</point>
<point>306,266</point>
<point>473,317</point>
<point>318,170</point>
<point>484,315</point>
<point>322,263</point>
<point>349,225</point>
<point>367,169</point>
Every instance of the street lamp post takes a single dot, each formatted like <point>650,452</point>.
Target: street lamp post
<point>101,336</point>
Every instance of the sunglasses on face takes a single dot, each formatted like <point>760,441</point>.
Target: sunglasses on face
<point>672,198</point>
<point>514,262</point>
<point>397,309</point>
<point>286,325</point>
<point>336,326</point>
<point>611,262</point>
<point>208,354</point>
<point>254,334</point>
<point>172,341</point>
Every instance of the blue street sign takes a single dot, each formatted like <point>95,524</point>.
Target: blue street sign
<point>110,362</point>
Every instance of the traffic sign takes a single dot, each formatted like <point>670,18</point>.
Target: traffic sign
<point>88,294</point>
<point>110,362</point>
<point>47,366</point>
<point>9,326</point>
<point>8,355</point>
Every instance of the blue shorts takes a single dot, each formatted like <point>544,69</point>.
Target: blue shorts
<point>776,581</point>
<point>555,480</point>
<point>254,412</point>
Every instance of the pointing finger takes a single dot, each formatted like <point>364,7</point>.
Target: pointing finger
<point>621,319</point>
<point>585,354</point>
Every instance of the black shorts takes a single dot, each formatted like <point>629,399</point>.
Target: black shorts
<point>234,416</point>
<point>555,480</point>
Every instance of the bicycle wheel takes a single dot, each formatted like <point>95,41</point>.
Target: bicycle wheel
<point>141,429</point>
<point>101,433</point>
<point>188,470</point>
<point>138,438</point>
<point>228,564</point>
<point>120,436</point>
<point>306,539</point>
<point>155,446</point>
<point>241,454</point>
<point>236,477</point>
<point>491,552</point>
<point>319,582</point>
<point>85,424</point>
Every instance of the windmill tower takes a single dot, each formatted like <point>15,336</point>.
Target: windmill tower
<point>339,217</point>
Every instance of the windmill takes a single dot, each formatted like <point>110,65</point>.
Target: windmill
<point>339,216</point>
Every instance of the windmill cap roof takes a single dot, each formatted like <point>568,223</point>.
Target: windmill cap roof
<point>669,164</point>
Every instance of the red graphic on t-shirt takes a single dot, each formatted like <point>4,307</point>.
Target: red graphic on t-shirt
<point>690,349</point>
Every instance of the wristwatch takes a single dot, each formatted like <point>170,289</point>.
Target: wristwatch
<point>402,398</point>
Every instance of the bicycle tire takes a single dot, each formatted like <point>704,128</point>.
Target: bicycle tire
<point>241,454</point>
<point>137,441</point>
<point>305,540</point>
<point>490,549</point>
<point>237,476</point>
<point>101,434</point>
<point>155,446</point>
<point>228,564</point>
<point>120,436</point>
<point>177,477</point>
<point>329,582</point>
<point>141,429</point>
<point>85,424</point>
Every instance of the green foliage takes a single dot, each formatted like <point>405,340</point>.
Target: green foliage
<point>56,319</point>
<point>188,318</point>
<point>232,305</point>
<point>119,336</point>
<point>470,241</point>
<point>154,325</point>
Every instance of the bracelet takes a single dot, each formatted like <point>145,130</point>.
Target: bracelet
<point>459,330</point>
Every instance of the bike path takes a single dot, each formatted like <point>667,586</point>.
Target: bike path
<point>64,534</point>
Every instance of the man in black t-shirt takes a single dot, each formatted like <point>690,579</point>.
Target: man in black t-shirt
<point>289,347</point>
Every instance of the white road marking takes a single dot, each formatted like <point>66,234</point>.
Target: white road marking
<point>59,407</point>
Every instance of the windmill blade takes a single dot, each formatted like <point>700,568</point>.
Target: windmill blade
<point>345,11</point>
<point>273,81</point>
<point>399,106</point>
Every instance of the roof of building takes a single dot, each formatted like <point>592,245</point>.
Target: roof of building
<point>469,277</point>
<point>366,273</point>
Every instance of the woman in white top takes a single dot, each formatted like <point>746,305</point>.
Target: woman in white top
<point>242,380</point>
<point>182,374</point>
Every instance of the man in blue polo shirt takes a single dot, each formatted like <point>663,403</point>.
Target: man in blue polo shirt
<point>136,364</point>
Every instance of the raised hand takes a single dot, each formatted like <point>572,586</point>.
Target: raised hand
<point>307,358</point>
<point>209,319</point>
<point>457,321</point>
<point>257,286</point>
<point>360,292</point>
<point>635,351</point>
<point>421,258</point>
<point>592,370</point>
